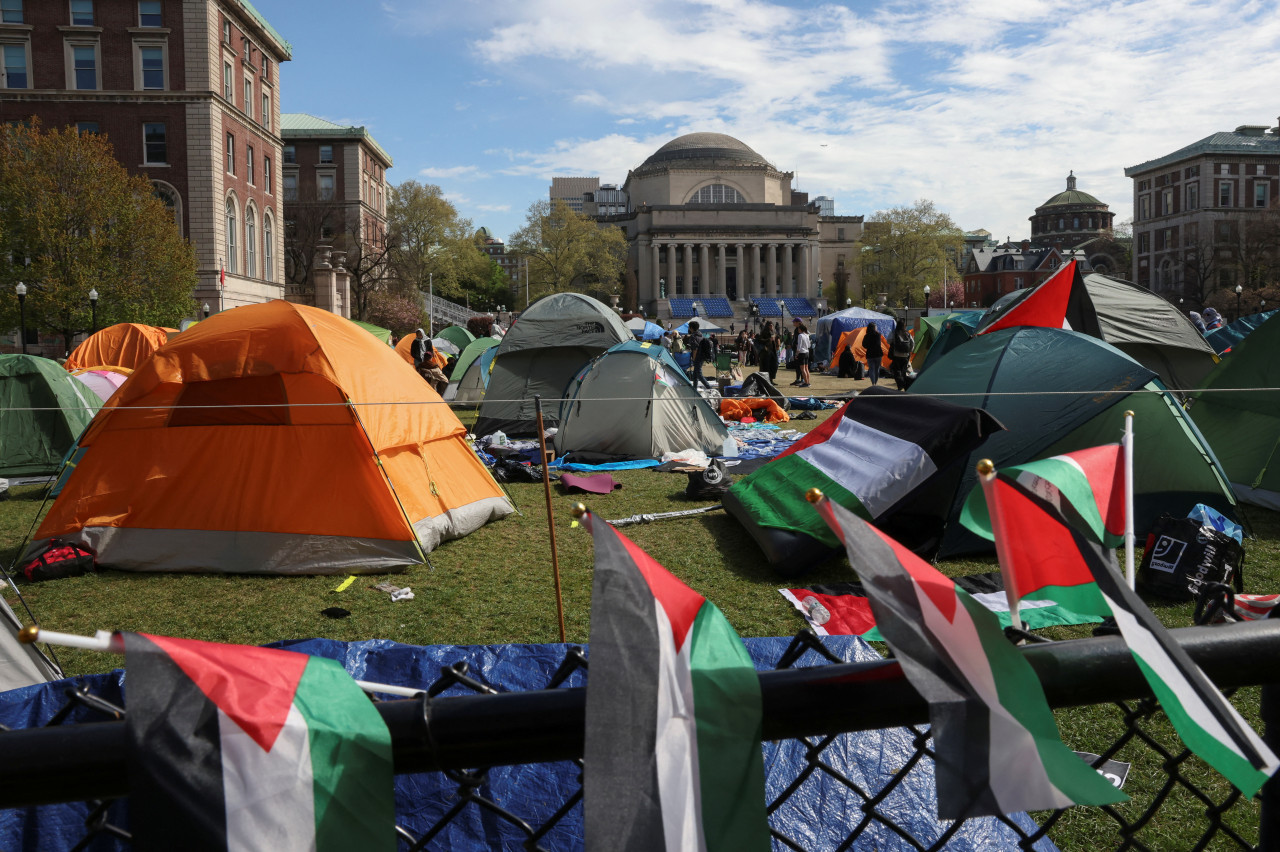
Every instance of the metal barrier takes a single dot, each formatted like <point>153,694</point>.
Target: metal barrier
<point>455,734</point>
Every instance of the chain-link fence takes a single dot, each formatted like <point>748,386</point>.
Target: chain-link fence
<point>823,716</point>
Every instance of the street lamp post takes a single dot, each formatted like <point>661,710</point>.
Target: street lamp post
<point>22,314</point>
<point>1239,290</point>
<point>206,310</point>
<point>93,310</point>
<point>926,299</point>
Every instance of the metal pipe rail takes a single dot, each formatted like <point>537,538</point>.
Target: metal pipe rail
<point>89,761</point>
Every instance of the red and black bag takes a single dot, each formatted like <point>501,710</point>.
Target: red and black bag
<point>59,559</point>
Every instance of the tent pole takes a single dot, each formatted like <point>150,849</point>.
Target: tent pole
<point>551,526</point>
<point>1128,498</point>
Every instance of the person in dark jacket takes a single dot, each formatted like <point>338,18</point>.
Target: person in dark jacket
<point>697,354</point>
<point>873,342</point>
<point>768,352</point>
<point>900,354</point>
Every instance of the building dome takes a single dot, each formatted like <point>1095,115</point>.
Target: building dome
<point>1070,197</point>
<point>484,233</point>
<point>694,149</point>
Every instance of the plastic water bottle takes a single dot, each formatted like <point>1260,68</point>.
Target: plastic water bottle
<point>818,613</point>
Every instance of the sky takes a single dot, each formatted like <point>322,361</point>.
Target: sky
<point>981,106</point>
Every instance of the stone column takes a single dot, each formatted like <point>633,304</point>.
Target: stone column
<point>755,269</point>
<point>771,277</point>
<point>788,270</point>
<point>688,271</point>
<point>655,272</point>
<point>722,282</point>
<point>673,268</point>
<point>742,271</point>
<point>805,283</point>
<point>704,269</point>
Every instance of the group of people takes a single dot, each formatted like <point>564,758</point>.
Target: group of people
<point>428,362</point>
<point>1207,321</point>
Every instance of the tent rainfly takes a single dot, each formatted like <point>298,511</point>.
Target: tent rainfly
<point>126,344</point>
<point>43,409</point>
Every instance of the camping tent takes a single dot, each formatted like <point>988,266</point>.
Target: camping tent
<point>553,339</point>
<point>930,328</point>
<point>1224,338</point>
<point>853,339</point>
<point>383,334</point>
<point>705,326</point>
<point>458,336</point>
<point>126,344</point>
<point>42,412</point>
<point>1138,322</point>
<point>643,329</point>
<point>467,384</point>
<point>1240,416</point>
<point>21,664</point>
<point>224,452</point>
<point>953,332</point>
<point>634,402</point>
<point>838,323</point>
<point>1008,373</point>
<point>103,383</point>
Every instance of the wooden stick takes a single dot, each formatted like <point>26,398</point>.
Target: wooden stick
<point>551,525</point>
<point>113,643</point>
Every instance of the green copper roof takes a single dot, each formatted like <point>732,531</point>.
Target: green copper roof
<point>262,22</point>
<point>300,125</point>
<point>1240,142</point>
<point>1071,196</point>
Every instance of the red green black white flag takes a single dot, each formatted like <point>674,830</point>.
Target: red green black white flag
<point>672,757</point>
<point>235,747</point>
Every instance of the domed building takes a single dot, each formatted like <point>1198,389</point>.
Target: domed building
<point>715,227</point>
<point>1073,218</point>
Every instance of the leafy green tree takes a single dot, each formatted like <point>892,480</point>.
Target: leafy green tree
<point>567,251</point>
<point>905,248</point>
<point>431,246</point>
<point>72,219</point>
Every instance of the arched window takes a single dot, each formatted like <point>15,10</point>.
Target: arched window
<point>1075,223</point>
<point>268,254</point>
<point>231,235</point>
<point>717,193</point>
<point>250,243</point>
<point>171,199</point>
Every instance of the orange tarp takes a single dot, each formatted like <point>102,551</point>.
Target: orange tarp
<point>854,339</point>
<point>280,421</point>
<point>125,345</point>
<point>736,408</point>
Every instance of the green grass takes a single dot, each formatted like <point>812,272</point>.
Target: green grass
<point>496,586</point>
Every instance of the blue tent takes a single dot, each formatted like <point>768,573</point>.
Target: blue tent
<point>1224,338</point>
<point>704,325</point>
<point>651,331</point>
<point>850,319</point>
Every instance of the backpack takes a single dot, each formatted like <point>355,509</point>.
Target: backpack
<point>59,559</point>
<point>706,350</point>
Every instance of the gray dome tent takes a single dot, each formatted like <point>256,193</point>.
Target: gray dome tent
<point>634,402</point>
<point>551,341</point>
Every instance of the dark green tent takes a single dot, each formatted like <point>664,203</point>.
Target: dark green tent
<point>1239,413</point>
<point>43,410</point>
<point>1056,391</point>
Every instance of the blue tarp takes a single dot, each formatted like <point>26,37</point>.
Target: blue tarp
<point>651,331</point>
<point>819,815</point>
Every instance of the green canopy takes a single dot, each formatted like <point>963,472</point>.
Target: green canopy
<point>1056,391</point>
<point>458,336</point>
<point>383,334</point>
<point>1239,414</point>
<point>43,410</point>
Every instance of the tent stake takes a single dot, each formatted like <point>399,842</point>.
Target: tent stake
<point>551,525</point>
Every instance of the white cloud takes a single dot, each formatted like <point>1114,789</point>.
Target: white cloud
<point>451,172</point>
<point>494,208</point>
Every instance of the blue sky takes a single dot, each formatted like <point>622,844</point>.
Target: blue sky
<point>982,106</point>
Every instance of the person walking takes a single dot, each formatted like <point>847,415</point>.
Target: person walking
<point>900,354</point>
<point>873,342</point>
<point>700,350</point>
<point>802,343</point>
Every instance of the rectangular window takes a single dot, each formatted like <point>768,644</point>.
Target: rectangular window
<point>226,31</point>
<point>1144,243</point>
<point>1224,168</point>
<point>85,66</point>
<point>1193,196</point>
<point>231,153</point>
<point>266,174</point>
<point>266,110</point>
<point>326,153</point>
<point>326,187</point>
<point>1259,170</point>
<point>149,13</point>
<point>227,91</point>
<point>1260,194</point>
<point>1166,202</point>
<point>153,142</point>
<point>290,154</point>
<point>152,60</point>
<point>266,66</point>
<point>1224,193</point>
<point>11,11</point>
<point>248,50</point>
<point>86,127</point>
<point>14,57</point>
<point>82,13</point>
<point>248,97</point>
<point>1144,208</point>
<point>290,187</point>
<point>248,164</point>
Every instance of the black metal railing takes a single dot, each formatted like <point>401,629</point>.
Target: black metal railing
<point>810,708</point>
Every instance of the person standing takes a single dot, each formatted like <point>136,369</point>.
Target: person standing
<point>699,348</point>
<point>769,352</point>
<point>803,344</point>
<point>744,344</point>
<point>900,354</point>
<point>873,342</point>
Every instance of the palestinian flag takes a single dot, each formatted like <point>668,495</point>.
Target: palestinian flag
<point>843,609</point>
<point>997,747</point>
<point>868,457</point>
<point>1049,557</point>
<point>672,751</point>
<point>1087,486</point>
<point>235,748</point>
<point>1060,301</point>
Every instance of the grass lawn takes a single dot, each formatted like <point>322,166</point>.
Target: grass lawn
<point>496,586</point>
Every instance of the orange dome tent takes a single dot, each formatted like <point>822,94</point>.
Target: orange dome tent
<point>127,344</point>
<point>244,446</point>
<point>854,339</point>
<point>404,347</point>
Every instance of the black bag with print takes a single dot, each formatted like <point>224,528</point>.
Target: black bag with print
<point>1183,555</point>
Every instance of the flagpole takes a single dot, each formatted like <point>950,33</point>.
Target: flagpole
<point>113,643</point>
<point>987,476</point>
<point>1128,498</point>
<point>551,525</point>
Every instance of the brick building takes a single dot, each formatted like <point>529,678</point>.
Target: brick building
<point>992,271</point>
<point>1193,208</point>
<point>187,91</point>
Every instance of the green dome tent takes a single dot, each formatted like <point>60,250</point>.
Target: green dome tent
<point>467,384</point>
<point>458,336</point>
<point>1055,391</point>
<point>1240,417</point>
<point>551,341</point>
<point>43,409</point>
<point>383,334</point>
